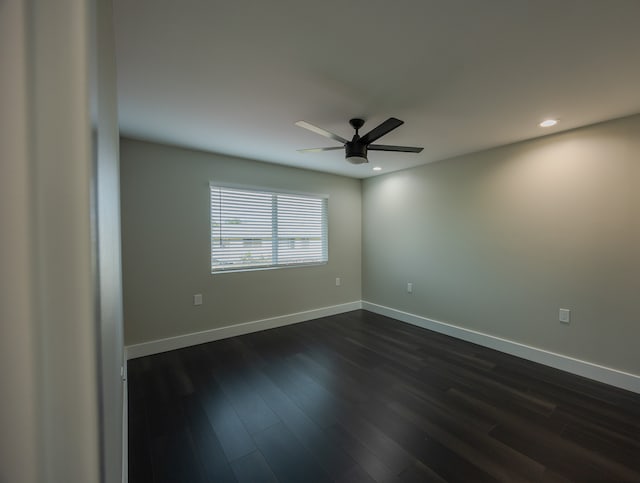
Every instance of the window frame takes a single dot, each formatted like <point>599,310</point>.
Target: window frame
<point>272,192</point>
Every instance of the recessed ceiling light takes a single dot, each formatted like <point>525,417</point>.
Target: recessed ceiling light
<point>548,123</point>
<point>377,168</point>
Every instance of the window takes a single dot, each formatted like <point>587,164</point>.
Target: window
<point>252,229</point>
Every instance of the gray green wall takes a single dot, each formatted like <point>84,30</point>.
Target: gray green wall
<point>495,241</point>
<point>498,241</point>
<point>166,244</point>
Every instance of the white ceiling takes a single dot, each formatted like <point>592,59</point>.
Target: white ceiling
<point>233,76</point>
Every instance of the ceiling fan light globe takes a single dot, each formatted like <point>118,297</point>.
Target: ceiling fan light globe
<point>357,160</point>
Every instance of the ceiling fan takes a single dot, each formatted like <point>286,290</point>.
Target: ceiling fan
<point>356,149</point>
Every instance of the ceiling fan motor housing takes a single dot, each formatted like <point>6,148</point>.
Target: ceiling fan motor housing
<point>355,152</point>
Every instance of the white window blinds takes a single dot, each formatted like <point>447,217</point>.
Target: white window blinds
<point>257,229</point>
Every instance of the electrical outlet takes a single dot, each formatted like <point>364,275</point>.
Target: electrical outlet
<point>409,287</point>
<point>197,299</point>
<point>565,316</point>
<point>338,282</point>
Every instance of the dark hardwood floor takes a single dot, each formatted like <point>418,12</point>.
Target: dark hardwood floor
<point>359,397</point>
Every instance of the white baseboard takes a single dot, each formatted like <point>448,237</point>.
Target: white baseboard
<point>180,341</point>
<point>607,375</point>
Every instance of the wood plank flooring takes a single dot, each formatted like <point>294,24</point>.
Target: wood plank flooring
<point>359,397</point>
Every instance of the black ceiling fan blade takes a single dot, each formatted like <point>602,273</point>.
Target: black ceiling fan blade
<point>402,149</point>
<point>377,132</point>
<point>322,132</point>
<point>317,150</point>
